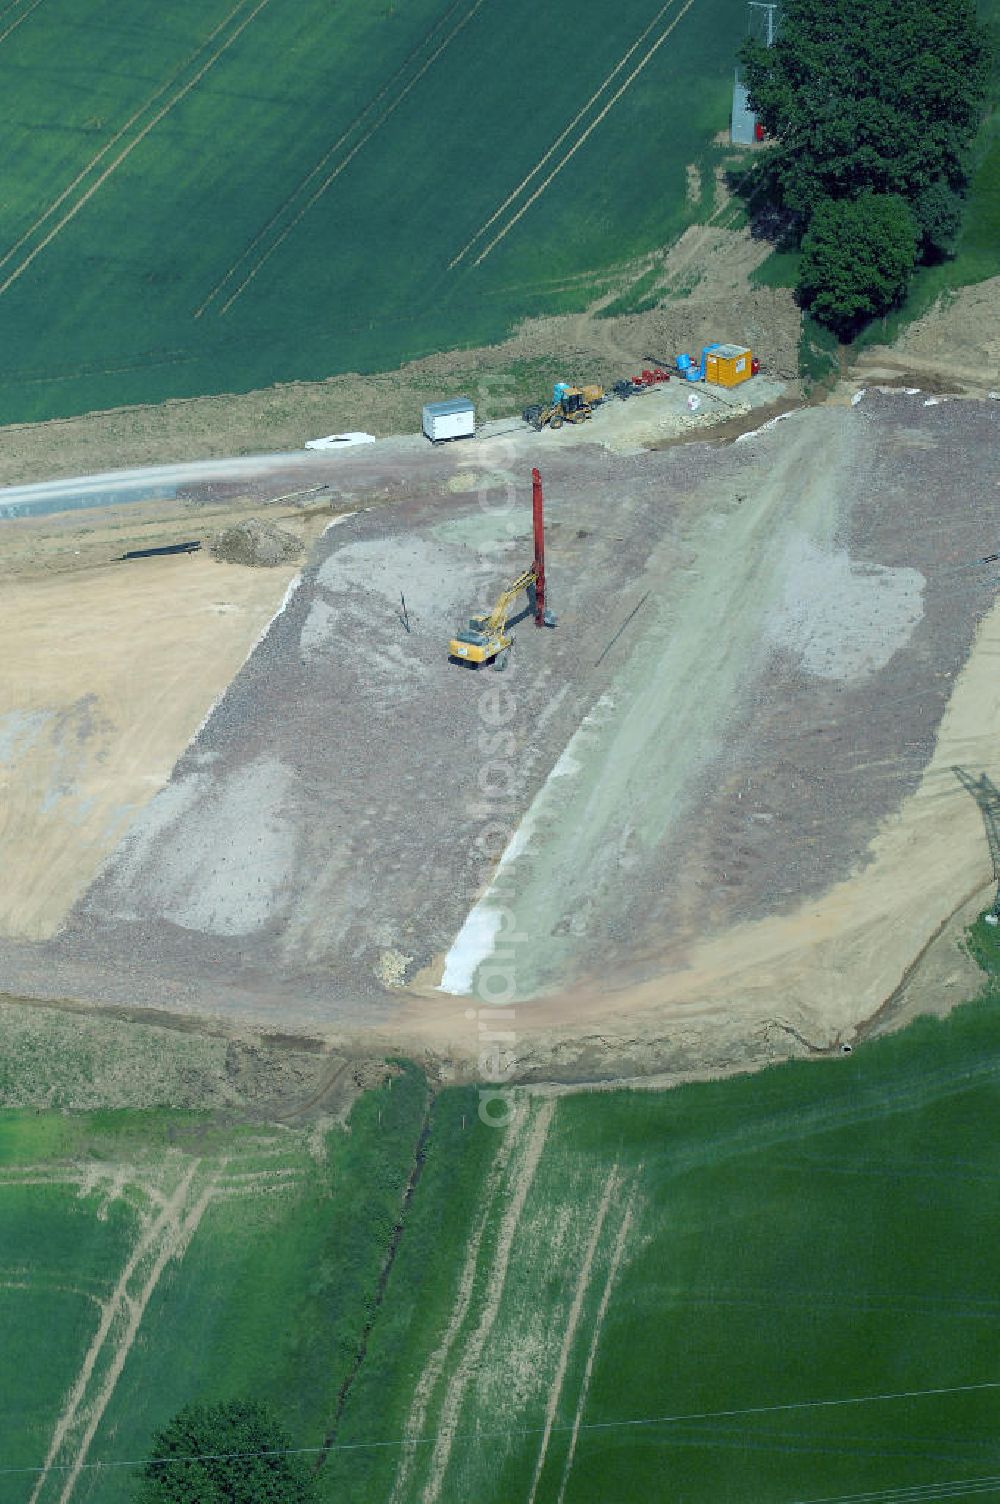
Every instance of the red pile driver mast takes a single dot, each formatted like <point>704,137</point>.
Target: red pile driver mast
<point>539,565</point>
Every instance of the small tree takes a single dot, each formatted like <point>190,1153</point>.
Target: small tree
<point>938,213</point>
<point>234,1453</point>
<point>857,256</point>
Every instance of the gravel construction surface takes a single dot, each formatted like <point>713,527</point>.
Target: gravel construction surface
<point>756,643</point>
<point>866,623</point>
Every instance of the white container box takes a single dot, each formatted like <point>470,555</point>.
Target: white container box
<point>455,419</point>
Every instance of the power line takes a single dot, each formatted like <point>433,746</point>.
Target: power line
<point>919,1493</point>
<point>632,1422</point>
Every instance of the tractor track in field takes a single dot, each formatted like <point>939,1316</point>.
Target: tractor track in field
<point>123,131</point>
<point>448,1420</point>
<point>611,1185</point>
<point>341,166</point>
<point>550,153</point>
<point>602,1311</point>
<point>165,1237</point>
<point>344,136</point>
<point>20,20</point>
<point>31,1175</point>
<point>584,136</point>
<point>173,1247</point>
<point>123,155</point>
<point>159,1241</point>
<point>434,1367</point>
<point>34,1284</point>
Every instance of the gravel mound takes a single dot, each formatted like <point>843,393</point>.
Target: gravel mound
<point>256,543</point>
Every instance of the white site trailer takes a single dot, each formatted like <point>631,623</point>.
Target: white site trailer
<point>454,419</point>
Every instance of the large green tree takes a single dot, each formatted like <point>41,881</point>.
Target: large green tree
<point>234,1453</point>
<point>857,256</point>
<point>876,95</point>
<point>872,97</point>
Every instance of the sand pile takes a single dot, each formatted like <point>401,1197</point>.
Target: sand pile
<point>256,543</point>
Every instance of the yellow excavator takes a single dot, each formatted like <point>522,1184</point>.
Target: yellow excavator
<point>570,404</point>
<point>487,640</point>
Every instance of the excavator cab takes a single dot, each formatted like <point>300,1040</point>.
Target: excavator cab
<point>484,642</point>
<point>475,637</point>
<point>477,646</point>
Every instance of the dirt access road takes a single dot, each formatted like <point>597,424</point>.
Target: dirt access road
<point>757,643</point>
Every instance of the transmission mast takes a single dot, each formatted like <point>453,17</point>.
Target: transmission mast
<point>762,20</point>
<point>762,26</point>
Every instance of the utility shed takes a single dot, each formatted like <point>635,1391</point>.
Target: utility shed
<point>728,365</point>
<point>743,127</point>
<point>454,419</point>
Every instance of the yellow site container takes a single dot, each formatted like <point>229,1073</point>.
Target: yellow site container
<point>728,365</point>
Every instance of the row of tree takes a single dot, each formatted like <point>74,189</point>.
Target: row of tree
<point>872,106</point>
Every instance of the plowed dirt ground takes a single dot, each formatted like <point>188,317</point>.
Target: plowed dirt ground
<point>731,830</point>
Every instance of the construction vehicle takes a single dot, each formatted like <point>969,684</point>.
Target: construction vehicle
<point>570,404</point>
<point>487,639</point>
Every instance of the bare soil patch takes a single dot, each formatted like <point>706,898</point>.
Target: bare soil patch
<point>77,1058</point>
<point>725,429</point>
<point>256,544</point>
<point>83,540</point>
<point>115,669</point>
<point>957,343</point>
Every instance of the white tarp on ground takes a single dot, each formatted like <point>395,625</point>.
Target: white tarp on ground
<point>340,440</point>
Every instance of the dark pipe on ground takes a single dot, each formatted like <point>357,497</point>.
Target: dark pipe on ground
<point>190,547</point>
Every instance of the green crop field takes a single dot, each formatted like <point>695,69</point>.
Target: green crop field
<point>150,1258</point>
<point>776,1288</point>
<point>212,196</point>
<point>61,1249</point>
